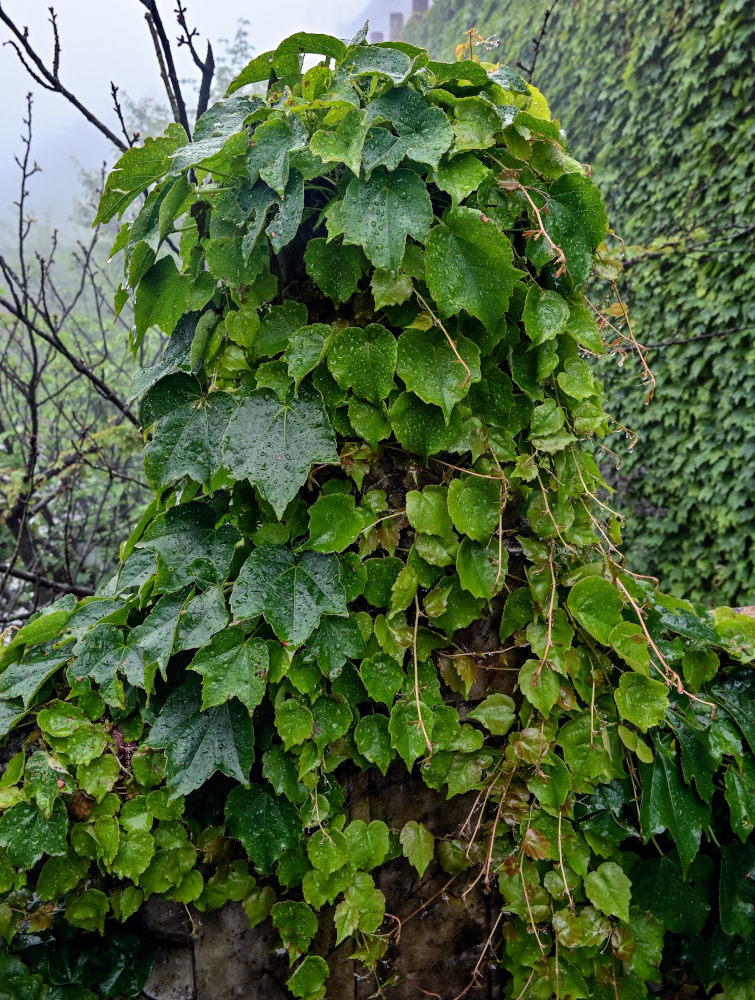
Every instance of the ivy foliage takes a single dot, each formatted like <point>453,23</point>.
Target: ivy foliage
<point>657,97</point>
<point>370,433</point>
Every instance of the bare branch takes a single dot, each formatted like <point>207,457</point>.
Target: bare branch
<point>44,583</point>
<point>156,25</point>
<point>49,78</point>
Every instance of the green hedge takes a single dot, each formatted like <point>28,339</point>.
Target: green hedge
<point>658,98</point>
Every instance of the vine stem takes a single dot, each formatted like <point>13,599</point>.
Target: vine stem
<point>428,744</point>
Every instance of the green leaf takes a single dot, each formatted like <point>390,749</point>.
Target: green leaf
<point>540,685</point>
<point>474,504</point>
<point>265,824</point>
<point>135,852</point>
<point>699,763</point>
<point>735,897</point>
<point>583,327</point>
<point>369,422</point>
<point>137,169</point>
<point>427,511</point>
<point>468,263</point>
<point>306,349</point>
<point>335,268</point>
<point>191,547</point>
<point>641,700</point>
<point>335,523</point>
<point>383,60</point>
<point>27,834</point>
<point>424,133</point>
<point>382,677</point>
<point>431,368</point>
<point>364,360</point>
<point>294,722</point>
<point>421,427</point>
<point>461,175</point>
<point>23,680</point>
<point>476,123</point>
<point>289,439</point>
<point>699,667</point>
<point>200,743</point>
<point>165,294</point>
<point>362,908</point>
<point>576,222</point>
<point>344,142</point>
<point>272,143</point>
<point>577,379</point>
<point>328,850</point>
<point>479,568</point>
<point>379,213</point>
<point>629,641</point>
<point>200,619</point>
<point>308,979</point>
<point>497,714</point>
<point>679,902</point>
<point>406,732</point>
<point>291,594</point>
<point>332,719</point>
<point>88,911</point>
<point>668,804</point>
<point>389,289</point>
<point>297,925</point>
<point>188,441</point>
<point>368,845</point>
<point>334,641</point>
<point>232,666</point>
<point>60,875</point>
<point>418,845</point>
<point>609,889</point>
<point>545,315</point>
<point>740,795</point>
<point>373,741</point>
<point>596,604</point>
<point>98,776</point>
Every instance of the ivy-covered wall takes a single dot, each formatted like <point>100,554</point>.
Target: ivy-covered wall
<point>659,98</point>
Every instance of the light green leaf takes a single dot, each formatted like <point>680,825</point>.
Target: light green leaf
<point>540,686</point>
<point>328,850</point>
<point>23,679</point>
<point>290,594</point>
<point>368,845</point>
<point>629,641</point>
<point>369,422</point>
<point>135,852</point>
<point>306,349</point>
<point>308,979</point>
<point>545,314</point>
<point>373,741</point>
<point>232,666</point>
<point>461,175</point>
<point>421,427</point>
<point>583,327</point>
<point>576,222</point>
<point>379,213</point>
<point>609,889</point>
<point>362,908</point>
<point>270,147</point>
<point>88,911</point>
<point>137,169</point>
<point>427,512</point>
<point>481,569</point>
<point>289,438</point>
<point>335,523</point>
<point>297,925</point>
<point>364,361</point>
<point>382,677</point>
<point>468,264</point>
<point>406,732</point>
<point>294,722</point>
<point>497,713</point>
<point>418,845</point>
<point>577,379</point>
<point>475,125</point>
<point>474,504</point>
<point>343,142</point>
<point>431,368</point>
<point>596,604</point>
<point>641,700</point>
<point>99,776</point>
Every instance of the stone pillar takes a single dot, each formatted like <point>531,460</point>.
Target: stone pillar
<point>419,6</point>
<point>396,25</point>
<point>377,36</point>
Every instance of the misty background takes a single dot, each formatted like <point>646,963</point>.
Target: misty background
<point>108,41</point>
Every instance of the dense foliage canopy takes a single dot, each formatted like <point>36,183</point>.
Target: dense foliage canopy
<point>658,99</point>
<point>378,540</point>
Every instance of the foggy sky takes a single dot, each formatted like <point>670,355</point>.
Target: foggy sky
<point>104,40</point>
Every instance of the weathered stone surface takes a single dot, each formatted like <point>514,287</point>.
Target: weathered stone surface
<point>441,935</point>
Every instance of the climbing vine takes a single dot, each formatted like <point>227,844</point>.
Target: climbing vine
<point>379,540</point>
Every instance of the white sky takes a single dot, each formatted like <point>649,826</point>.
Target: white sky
<point>104,40</point>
